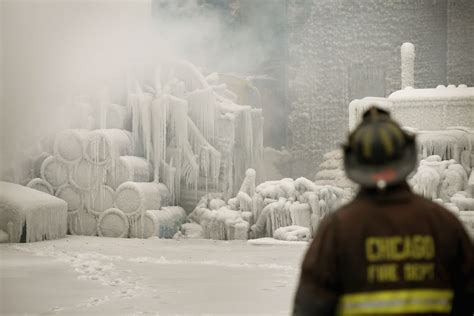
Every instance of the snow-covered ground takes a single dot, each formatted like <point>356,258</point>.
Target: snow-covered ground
<point>107,276</point>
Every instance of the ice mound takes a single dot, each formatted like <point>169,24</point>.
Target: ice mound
<point>41,215</point>
<point>293,233</point>
<point>192,230</point>
<point>260,211</point>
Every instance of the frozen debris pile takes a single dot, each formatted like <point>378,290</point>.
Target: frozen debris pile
<point>29,215</point>
<point>446,182</point>
<point>124,164</point>
<point>261,211</point>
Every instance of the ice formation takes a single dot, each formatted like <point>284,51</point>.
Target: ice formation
<point>445,137</point>
<point>293,208</point>
<point>123,164</point>
<point>30,215</point>
<point>293,233</point>
<point>446,182</point>
<point>86,176</point>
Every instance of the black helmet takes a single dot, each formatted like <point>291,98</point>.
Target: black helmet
<point>379,153</point>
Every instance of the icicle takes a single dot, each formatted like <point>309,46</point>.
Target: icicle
<point>159,114</point>
<point>211,163</point>
<point>202,110</point>
<point>178,121</point>
<point>144,108</point>
<point>257,141</point>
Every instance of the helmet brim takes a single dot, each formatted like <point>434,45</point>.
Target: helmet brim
<point>388,174</point>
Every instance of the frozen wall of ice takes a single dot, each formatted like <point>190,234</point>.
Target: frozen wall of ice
<point>461,42</point>
<point>345,50</point>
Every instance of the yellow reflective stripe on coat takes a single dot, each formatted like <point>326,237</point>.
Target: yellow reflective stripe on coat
<point>396,302</point>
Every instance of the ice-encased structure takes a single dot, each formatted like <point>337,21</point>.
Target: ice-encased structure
<point>263,210</point>
<point>442,119</point>
<point>424,109</point>
<point>29,215</point>
<point>178,133</point>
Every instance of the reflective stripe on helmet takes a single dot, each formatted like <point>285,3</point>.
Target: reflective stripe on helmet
<point>396,302</point>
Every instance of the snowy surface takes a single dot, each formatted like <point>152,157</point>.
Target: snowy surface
<point>106,276</point>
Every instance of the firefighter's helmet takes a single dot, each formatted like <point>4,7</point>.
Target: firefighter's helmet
<point>379,153</point>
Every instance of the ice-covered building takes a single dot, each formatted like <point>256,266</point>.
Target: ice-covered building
<point>345,50</point>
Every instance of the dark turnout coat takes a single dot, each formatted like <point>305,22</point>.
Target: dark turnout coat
<point>388,253</point>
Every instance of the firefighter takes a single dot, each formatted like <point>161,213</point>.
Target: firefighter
<point>389,251</point>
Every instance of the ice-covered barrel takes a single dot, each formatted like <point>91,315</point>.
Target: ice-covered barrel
<point>69,145</point>
<point>146,229</point>
<point>73,197</point>
<point>82,223</point>
<point>132,197</point>
<point>99,199</point>
<point>103,145</point>
<point>41,185</point>
<point>54,172</point>
<point>113,223</point>
<point>129,168</point>
<point>169,219</point>
<point>38,162</point>
<point>86,176</point>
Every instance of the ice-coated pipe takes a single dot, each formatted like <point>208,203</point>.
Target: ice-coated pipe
<point>408,65</point>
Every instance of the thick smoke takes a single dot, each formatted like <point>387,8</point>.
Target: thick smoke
<point>54,52</point>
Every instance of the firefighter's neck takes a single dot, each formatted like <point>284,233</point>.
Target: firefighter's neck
<point>384,190</point>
